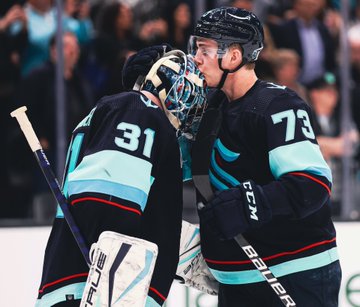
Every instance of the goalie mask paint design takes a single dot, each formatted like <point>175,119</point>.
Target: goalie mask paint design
<point>181,88</point>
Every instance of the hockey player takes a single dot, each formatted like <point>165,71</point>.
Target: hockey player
<point>123,175</point>
<point>270,179</point>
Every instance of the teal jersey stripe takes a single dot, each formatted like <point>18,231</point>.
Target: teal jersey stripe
<point>72,158</point>
<point>225,153</point>
<point>110,188</point>
<point>114,166</point>
<point>305,156</point>
<point>150,302</point>
<point>217,183</point>
<point>222,173</point>
<point>59,295</point>
<point>286,268</point>
<point>115,173</point>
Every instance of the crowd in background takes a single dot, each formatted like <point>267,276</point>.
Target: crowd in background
<point>302,52</point>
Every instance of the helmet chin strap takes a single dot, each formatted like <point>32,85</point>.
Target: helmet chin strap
<point>227,71</point>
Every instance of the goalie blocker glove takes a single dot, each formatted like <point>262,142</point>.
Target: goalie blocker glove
<point>139,64</point>
<point>235,210</point>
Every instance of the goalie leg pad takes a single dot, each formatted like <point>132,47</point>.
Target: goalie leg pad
<point>121,271</point>
<point>192,267</point>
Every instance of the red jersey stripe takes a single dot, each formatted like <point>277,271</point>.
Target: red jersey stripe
<point>157,293</point>
<point>273,256</point>
<point>61,280</point>
<point>111,203</point>
<point>312,178</point>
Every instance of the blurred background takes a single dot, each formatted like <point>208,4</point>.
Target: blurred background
<point>58,57</point>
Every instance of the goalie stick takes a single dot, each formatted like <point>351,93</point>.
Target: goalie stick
<point>201,155</point>
<point>45,166</point>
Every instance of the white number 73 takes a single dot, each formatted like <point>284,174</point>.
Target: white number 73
<point>290,123</point>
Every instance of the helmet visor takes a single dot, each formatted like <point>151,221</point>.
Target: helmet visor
<point>205,48</point>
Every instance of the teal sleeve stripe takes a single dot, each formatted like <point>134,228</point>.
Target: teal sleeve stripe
<point>110,188</point>
<point>222,173</point>
<point>59,213</point>
<point>217,183</point>
<point>72,157</point>
<point>225,153</point>
<point>305,156</point>
<point>117,167</point>
<point>59,295</point>
<point>150,302</point>
<point>286,268</point>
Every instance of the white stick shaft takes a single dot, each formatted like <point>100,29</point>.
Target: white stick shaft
<point>26,127</point>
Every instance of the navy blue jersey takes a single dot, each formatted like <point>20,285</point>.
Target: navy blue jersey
<point>123,174</point>
<point>267,136</point>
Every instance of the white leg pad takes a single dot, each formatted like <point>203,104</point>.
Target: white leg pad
<point>192,267</point>
<point>121,271</point>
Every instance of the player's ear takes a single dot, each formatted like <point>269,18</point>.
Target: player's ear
<point>235,57</point>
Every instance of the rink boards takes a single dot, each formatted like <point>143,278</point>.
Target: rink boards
<point>23,249</point>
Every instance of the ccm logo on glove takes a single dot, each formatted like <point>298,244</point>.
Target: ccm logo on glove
<point>251,200</point>
<point>235,210</point>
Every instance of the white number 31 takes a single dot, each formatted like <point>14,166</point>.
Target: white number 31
<point>290,117</point>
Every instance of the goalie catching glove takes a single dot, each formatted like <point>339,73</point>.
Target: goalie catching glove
<point>192,268</point>
<point>121,271</point>
<point>235,211</point>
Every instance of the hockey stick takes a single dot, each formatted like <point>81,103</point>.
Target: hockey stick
<point>201,155</point>
<point>45,166</point>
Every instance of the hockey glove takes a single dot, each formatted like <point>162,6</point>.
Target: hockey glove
<point>235,211</point>
<point>139,64</point>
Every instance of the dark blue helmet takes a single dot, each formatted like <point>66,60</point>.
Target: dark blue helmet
<point>230,25</point>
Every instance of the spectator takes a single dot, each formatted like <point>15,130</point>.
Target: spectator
<point>113,43</point>
<point>286,71</point>
<point>153,31</point>
<point>10,49</point>
<point>41,25</point>
<point>354,44</point>
<point>38,90</point>
<point>179,24</point>
<point>310,38</point>
<point>324,96</point>
<point>77,20</point>
<point>263,65</point>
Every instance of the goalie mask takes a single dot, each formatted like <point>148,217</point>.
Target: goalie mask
<point>181,88</point>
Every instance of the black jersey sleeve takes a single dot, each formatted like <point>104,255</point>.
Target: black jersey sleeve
<point>303,178</point>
